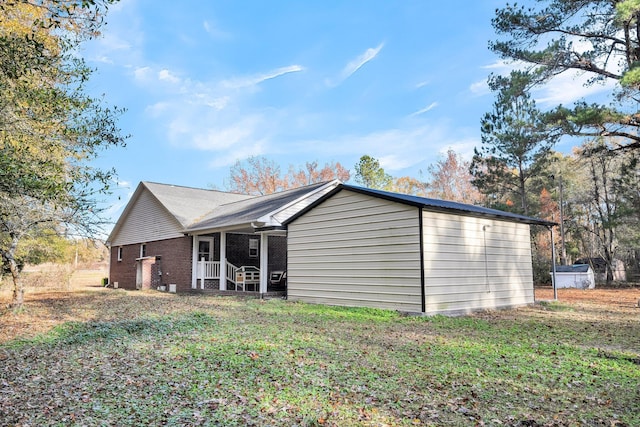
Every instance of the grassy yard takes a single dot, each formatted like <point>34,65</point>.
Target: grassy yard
<point>100,357</point>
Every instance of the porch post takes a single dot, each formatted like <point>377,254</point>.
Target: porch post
<point>264,262</point>
<point>223,261</point>
<point>194,262</point>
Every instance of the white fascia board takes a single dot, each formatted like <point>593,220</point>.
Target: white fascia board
<point>269,219</point>
<point>209,230</point>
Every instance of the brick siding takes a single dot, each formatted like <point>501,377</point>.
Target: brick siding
<point>174,264</point>
<point>169,261</point>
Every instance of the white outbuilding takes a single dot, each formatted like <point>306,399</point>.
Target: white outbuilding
<point>575,276</point>
<point>371,248</point>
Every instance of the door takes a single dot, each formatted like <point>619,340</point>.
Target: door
<point>205,249</point>
<point>139,274</point>
<point>205,254</point>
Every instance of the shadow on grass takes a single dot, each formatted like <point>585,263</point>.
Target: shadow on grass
<point>79,333</point>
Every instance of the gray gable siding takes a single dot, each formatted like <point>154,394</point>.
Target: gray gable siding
<point>147,221</point>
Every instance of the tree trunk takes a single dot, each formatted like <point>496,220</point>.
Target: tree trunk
<point>17,297</point>
<point>523,189</point>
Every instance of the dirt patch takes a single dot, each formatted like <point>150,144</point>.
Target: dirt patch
<point>612,299</point>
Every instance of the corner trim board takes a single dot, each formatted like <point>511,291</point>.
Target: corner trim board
<point>422,278</point>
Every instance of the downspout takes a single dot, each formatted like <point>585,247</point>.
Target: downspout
<point>422,279</point>
<point>553,266</point>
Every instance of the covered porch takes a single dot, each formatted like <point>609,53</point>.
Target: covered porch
<point>240,261</point>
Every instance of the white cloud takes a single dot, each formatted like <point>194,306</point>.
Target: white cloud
<point>166,75</point>
<point>227,159</point>
<point>157,109</point>
<point>142,74</point>
<point>425,109</point>
<point>569,87</point>
<point>217,103</point>
<point>564,88</point>
<point>103,59</point>
<point>464,148</point>
<point>355,64</point>
<point>111,42</point>
<point>211,116</point>
<point>218,138</point>
<point>480,88</point>
<point>249,81</point>
<point>214,31</point>
<point>501,64</point>
<point>397,149</point>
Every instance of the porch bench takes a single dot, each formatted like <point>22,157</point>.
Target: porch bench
<point>247,276</point>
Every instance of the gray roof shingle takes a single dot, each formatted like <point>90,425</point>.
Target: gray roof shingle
<point>247,211</point>
<point>188,204</point>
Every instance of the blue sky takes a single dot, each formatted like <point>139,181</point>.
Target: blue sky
<point>208,83</point>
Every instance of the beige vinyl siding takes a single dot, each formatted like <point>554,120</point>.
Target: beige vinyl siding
<point>468,268</point>
<point>147,221</point>
<point>356,250</point>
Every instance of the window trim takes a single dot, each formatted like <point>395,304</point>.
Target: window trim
<point>119,253</point>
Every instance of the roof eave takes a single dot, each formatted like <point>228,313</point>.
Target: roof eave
<point>365,191</point>
<point>224,228</point>
<point>269,217</point>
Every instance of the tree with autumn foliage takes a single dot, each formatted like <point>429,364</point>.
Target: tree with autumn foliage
<point>450,180</point>
<point>409,185</point>
<point>258,176</point>
<point>311,174</point>
<point>50,129</point>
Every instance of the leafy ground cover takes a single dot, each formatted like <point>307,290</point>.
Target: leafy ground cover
<point>94,357</point>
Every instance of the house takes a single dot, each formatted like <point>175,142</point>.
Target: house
<point>339,245</point>
<point>180,238</point>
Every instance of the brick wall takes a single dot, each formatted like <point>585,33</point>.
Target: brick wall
<point>238,250</point>
<point>175,261</point>
<point>277,253</point>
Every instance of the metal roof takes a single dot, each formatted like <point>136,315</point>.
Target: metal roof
<point>436,205</point>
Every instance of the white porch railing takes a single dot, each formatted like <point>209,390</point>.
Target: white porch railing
<point>208,269</point>
<point>211,270</point>
<point>231,272</point>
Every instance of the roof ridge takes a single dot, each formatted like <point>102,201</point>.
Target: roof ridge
<point>193,188</point>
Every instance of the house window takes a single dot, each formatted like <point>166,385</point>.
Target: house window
<point>120,253</point>
<point>253,248</point>
<point>143,250</point>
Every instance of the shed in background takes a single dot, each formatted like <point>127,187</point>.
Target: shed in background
<point>579,276</point>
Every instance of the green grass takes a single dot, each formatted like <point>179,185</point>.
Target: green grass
<point>149,359</point>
